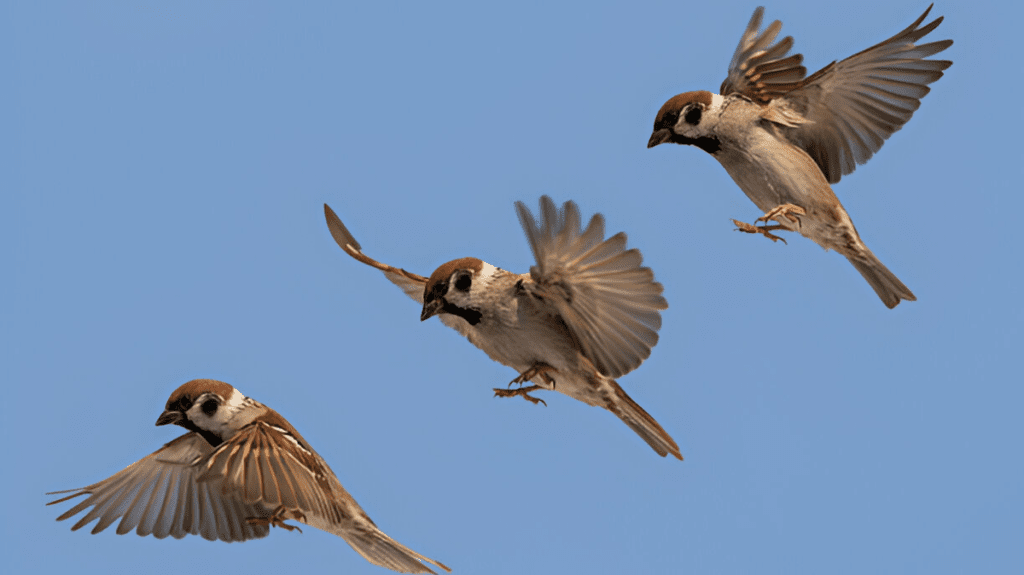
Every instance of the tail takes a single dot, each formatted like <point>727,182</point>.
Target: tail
<point>617,402</point>
<point>885,283</point>
<point>377,548</point>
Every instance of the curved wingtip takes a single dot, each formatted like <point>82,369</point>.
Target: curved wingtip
<point>338,230</point>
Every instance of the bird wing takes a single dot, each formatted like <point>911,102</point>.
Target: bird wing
<point>412,284</point>
<point>160,495</point>
<point>268,463</point>
<point>759,70</point>
<point>851,107</point>
<point>608,301</point>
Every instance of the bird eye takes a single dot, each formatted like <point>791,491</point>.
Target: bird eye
<point>463,282</point>
<point>209,406</point>
<point>692,115</point>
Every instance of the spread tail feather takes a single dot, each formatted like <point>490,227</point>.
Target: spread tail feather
<point>885,283</point>
<point>642,423</point>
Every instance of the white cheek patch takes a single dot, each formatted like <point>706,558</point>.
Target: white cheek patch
<point>481,283</point>
<point>218,422</point>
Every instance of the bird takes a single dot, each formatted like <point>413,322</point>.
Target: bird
<point>785,138</point>
<point>240,469</point>
<point>587,312</point>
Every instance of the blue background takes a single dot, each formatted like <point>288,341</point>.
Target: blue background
<point>165,168</point>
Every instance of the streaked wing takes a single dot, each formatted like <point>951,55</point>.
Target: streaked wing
<point>609,302</point>
<point>160,495</point>
<point>853,106</point>
<point>268,464</point>
<point>760,70</point>
<point>412,284</point>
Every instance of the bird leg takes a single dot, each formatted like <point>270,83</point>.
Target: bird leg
<point>788,211</point>
<point>538,369</point>
<point>277,519</point>
<point>521,392</point>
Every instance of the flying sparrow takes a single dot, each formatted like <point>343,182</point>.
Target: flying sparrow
<point>584,315</point>
<point>784,138</point>
<point>240,469</point>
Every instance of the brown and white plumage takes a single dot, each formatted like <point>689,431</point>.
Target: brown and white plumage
<point>240,469</point>
<point>586,313</point>
<point>784,137</point>
<point>847,109</point>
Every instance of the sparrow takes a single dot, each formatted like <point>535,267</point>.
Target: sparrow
<point>784,138</point>
<point>586,314</point>
<point>239,470</point>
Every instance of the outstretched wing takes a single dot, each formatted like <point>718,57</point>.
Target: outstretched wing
<point>759,70</point>
<point>412,284</point>
<point>609,302</point>
<point>853,106</point>
<point>159,495</point>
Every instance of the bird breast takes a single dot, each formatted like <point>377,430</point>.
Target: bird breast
<point>519,331</point>
<point>768,168</point>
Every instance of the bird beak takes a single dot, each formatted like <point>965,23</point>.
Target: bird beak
<point>169,417</point>
<point>431,308</point>
<point>659,137</point>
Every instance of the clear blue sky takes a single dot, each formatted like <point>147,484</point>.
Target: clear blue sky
<point>165,170</point>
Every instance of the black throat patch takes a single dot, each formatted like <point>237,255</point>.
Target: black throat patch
<point>709,144</point>
<point>471,315</point>
<point>210,438</point>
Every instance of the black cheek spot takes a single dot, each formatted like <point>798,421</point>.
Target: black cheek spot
<point>693,115</point>
<point>209,406</point>
<point>463,282</point>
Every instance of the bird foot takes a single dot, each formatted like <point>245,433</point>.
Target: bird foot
<point>521,392</point>
<point>789,211</point>
<point>763,230</point>
<point>277,519</point>
<point>538,368</point>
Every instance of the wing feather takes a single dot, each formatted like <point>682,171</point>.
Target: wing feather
<point>853,106</point>
<point>159,495</point>
<point>162,495</point>
<point>134,508</point>
<point>259,464</point>
<point>607,300</point>
<point>760,70</point>
<point>412,284</point>
<point>270,464</point>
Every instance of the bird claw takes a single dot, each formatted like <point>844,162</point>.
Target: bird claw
<point>538,369</point>
<point>763,230</point>
<point>277,519</point>
<point>521,392</point>
<point>789,211</point>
